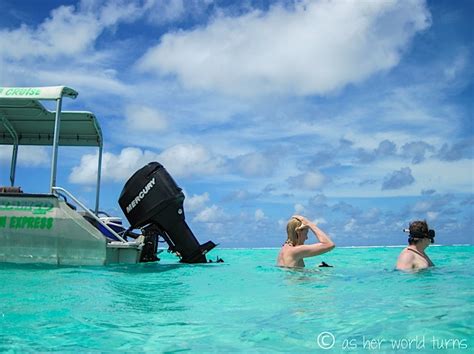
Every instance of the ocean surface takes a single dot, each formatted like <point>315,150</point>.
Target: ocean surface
<point>246,304</point>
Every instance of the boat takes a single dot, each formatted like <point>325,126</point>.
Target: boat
<point>55,227</point>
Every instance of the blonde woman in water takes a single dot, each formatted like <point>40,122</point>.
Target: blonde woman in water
<point>294,250</point>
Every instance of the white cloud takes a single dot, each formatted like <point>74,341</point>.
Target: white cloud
<point>282,223</point>
<point>313,180</point>
<point>28,156</point>
<point>117,168</point>
<point>5,153</point>
<point>53,36</point>
<point>92,81</point>
<point>165,11</point>
<point>69,31</point>
<point>422,206</point>
<point>398,179</point>
<point>351,225</point>
<point>457,177</point>
<point>259,215</point>
<point>196,202</point>
<point>179,160</point>
<point>458,66</point>
<point>65,49</point>
<point>161,12</point>
<point>240,195</point>
<point>320,221</point>
<point>142,118</point>
<point>308,181</point>
<point>299,209</point>
<point>255,164</point>
<point>316,47</point>
<point>189,159</point>
<point>212,214</point>
<point>115,11</point>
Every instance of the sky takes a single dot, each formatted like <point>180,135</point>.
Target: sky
<point>356,114</point>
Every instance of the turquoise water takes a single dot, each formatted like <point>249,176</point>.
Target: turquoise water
<point>243,305</point>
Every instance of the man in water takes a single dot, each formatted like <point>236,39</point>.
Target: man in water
<point>414,257</point>
<point>294,250</point>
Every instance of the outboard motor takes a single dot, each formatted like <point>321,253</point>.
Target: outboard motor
<point>151,197</point>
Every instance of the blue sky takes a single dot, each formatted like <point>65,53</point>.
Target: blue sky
<point>357,114</point>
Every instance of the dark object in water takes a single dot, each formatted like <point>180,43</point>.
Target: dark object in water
<point>150,247</point>
<point>324,264</point>
<point>152,198</point>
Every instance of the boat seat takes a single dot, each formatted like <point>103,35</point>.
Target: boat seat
<point>12,190</point>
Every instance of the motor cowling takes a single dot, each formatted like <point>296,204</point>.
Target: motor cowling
<point>151,197</point>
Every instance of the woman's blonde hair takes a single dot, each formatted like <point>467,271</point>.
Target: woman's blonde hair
<point>291,227</point>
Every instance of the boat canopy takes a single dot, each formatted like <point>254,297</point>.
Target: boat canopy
<point>34,125</point>
<point>25,121</point>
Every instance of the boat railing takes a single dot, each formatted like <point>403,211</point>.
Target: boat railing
<point>89,213</point>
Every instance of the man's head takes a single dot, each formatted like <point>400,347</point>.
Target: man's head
<point>420,233</point>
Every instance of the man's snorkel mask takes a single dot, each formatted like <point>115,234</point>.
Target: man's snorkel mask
<point>420,235</point>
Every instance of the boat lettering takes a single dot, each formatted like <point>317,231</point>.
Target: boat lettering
<point>24,91</point>
<point>26,222</point>
<point>37,208</point>
<point>141,195</point>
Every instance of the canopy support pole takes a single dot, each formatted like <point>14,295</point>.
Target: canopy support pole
<point>13,164</point>
<point>14,135</point>
<point>54,163</point>
<point>99,170</point>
